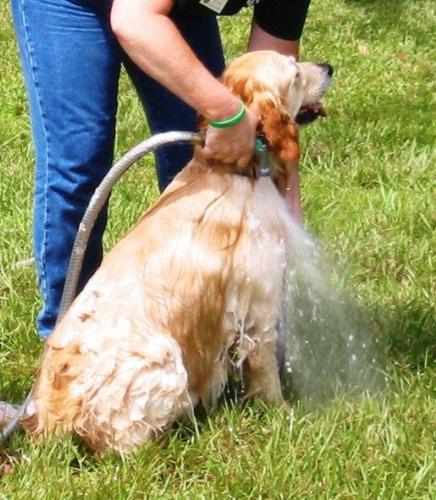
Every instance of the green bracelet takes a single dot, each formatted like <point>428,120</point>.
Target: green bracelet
<point>234,120</point>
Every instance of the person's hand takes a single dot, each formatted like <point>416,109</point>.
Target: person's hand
<point>232,145</point>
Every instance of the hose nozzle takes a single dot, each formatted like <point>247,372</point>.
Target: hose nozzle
<point>263,167</point>
<point>197,139</point>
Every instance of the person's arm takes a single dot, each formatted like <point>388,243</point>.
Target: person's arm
<point>153,42</point>
<point>261,40</point>
<point>278,25</point>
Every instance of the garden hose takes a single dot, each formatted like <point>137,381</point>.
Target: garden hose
<point>103,191</point>
<point>98,200</point>
<point>100,197</point>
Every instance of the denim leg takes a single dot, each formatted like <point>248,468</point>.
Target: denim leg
<point>164,110</point>
<point>71,64</point>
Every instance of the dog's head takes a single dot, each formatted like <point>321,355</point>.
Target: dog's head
<point>283,93</point>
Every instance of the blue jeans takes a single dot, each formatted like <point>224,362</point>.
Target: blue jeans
<point>71,62</point>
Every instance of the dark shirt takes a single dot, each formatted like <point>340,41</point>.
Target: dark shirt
<point>280,18</point>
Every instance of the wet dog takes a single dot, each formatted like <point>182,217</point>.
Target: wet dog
<point>192,291</point>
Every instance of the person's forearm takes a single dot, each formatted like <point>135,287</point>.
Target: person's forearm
<point>261,40</point>
<point>293,196</point>
<point>153,42</point>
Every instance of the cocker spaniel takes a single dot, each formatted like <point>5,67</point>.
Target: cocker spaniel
<point>192,291</point>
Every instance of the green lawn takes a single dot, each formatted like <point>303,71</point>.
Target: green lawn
<point>368,182</point>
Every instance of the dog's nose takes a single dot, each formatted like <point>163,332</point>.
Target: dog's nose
<point>328,68</point>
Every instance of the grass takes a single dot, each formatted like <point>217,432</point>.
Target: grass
<point>368,182</point>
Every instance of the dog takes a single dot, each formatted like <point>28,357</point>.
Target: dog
<point>192,291</point>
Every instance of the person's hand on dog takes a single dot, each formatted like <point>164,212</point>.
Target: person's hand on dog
<point>232,145</point>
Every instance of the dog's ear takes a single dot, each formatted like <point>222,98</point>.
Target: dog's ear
<point>281,133</point>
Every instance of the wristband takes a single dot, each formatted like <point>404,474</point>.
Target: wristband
<point>230,122</point>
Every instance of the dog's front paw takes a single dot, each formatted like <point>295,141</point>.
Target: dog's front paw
<point>268,391</point>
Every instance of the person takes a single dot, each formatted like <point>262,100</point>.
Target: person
<point>71,53</point>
